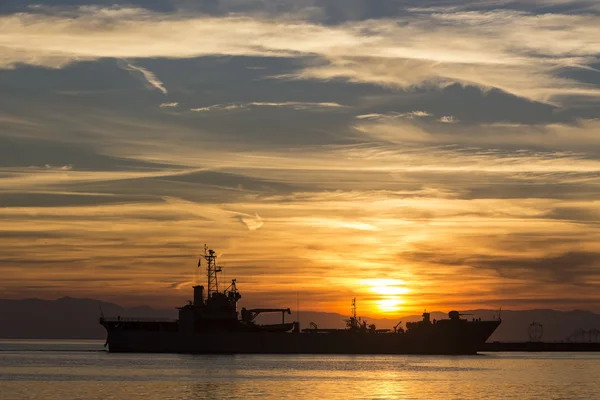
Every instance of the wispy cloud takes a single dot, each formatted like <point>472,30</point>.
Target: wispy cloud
<point>216,107</point>
<point>448,119</point>
<point>149,76</point>
<point>560,138</point>
<point>59,168</point>
<point>517,52</point>
<point>433,235</point>
<point>407,203</point>
<point>393,115</point>
<point>386,170</point>
<point>253,223</point>
<point>296,105</point>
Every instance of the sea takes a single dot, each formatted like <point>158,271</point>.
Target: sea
<point>62,369</point>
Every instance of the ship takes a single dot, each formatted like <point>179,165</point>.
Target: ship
<point>211,324</point>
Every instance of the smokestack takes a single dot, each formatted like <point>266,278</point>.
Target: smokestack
<point>198,295</point>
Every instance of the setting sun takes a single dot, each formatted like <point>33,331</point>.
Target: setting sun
<point>341,154</point>
<point>389,291</point>
<point>389,305</point>
<point>315,198</point>
<point>387,287</point>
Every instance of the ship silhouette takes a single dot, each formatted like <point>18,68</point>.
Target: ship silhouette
<point>211,324</point>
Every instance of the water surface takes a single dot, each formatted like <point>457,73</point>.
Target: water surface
<point>83,370</point>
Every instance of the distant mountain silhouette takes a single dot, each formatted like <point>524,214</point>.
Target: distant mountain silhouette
<point>64,318</point>
<point>69,318</point>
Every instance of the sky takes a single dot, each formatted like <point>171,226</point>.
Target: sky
<point>413,154</point>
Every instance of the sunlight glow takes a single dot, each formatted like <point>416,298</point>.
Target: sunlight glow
<point>389,305</point>
<point>387,196</point>
<point>386,287</point>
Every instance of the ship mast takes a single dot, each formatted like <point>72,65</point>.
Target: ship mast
<point>354,322</point>
<point>211,271</point>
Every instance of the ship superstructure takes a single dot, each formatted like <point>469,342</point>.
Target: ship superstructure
<point>211,323</point>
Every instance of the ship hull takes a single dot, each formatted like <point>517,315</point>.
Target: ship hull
<point>459,339</point>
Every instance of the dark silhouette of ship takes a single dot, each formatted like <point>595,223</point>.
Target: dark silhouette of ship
<point>211,324</point>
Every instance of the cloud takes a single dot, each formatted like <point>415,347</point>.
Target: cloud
<point>216,107</point>
<point>296,105</point>
<point>448,119</point>
<point>419,114</point>
<point>426,202</point>
<point>570,267</point>
<point>253,223</point>
<point>60,168</point>
<point>149,77</point>
<point>502,205</point>
<point>393,115</point>
<point>562,139</point>
<point>181,285</point>
<point>19,179</point>
<point>518,52</point>
<point>370,116</point>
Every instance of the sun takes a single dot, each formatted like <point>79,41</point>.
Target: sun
<point>389,305</point>
<point>386,287</point>
<point>391,292</point>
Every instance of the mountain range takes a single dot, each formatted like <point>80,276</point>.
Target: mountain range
<point>70,318</point>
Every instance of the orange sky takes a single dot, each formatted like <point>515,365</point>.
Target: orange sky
<point>431,158</point>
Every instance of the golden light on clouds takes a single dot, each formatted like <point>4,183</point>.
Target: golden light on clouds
<point>386,287</point>
<point>440,158</point>
<point>390,294</point>
<point>489,49</point>
<point>389,305</point>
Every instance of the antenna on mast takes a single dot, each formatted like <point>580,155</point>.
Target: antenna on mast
<point>211,271</point>
<point>354,323</point>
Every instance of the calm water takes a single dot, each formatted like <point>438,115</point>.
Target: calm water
<point>82,370</point>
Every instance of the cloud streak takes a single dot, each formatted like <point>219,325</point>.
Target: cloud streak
<point>516,52</point>
<point>150,77</point>
<point>564,139</point>
<point>309,140</point>
<point>253,223</point>
<point>393,115</point>
<point>295,105</point>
